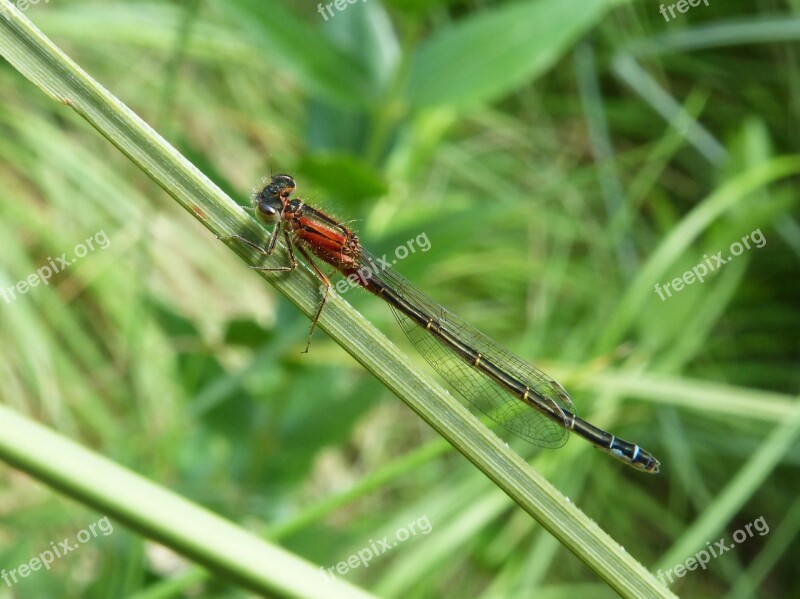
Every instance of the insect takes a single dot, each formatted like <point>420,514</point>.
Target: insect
<point>514,393</point>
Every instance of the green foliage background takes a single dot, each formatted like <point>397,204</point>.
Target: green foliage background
<point>562,158</point>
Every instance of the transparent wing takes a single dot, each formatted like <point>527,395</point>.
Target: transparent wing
<point>479,389</point>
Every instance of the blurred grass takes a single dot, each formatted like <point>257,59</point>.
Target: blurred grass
<point>544,208</point>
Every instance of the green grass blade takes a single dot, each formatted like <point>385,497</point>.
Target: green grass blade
<point>497,50</point>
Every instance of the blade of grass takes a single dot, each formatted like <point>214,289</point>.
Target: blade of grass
<point>504,46</point>
<point>644,84</point>
<point>724,33</point>
<point>35,56</point>
<point>700,396</point>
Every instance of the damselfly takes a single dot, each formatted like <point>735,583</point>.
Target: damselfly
<point>515,394</point>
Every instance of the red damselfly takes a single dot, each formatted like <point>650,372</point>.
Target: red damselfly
<point>514,393</point>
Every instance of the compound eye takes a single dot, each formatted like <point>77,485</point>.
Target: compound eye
<point>283,185</point>
<point>268,208</point>
<point>283,180</point>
